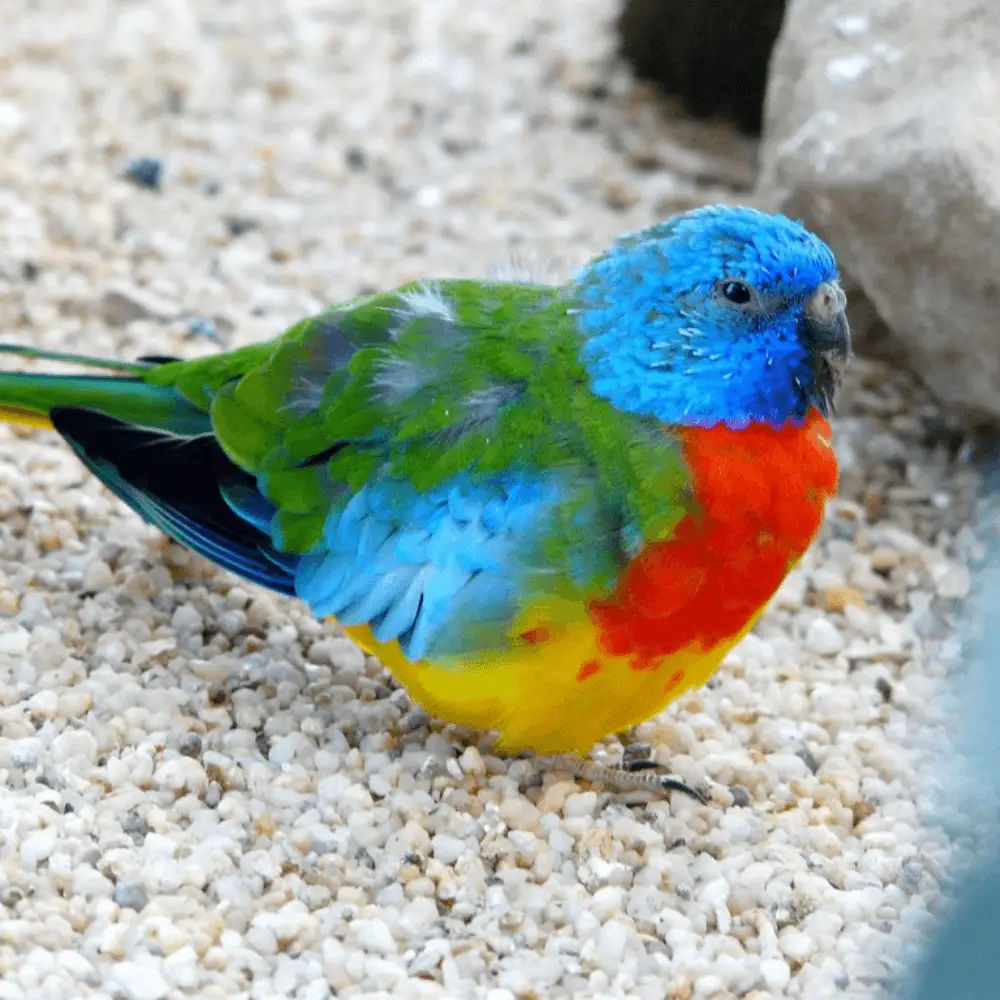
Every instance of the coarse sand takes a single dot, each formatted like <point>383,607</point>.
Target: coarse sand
<point>206,793</point>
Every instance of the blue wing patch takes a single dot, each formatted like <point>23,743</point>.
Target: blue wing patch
<point>425,568</point>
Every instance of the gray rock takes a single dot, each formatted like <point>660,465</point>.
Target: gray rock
<point>882,132</point>
<point>122,304</point>
<point>133,895</point>
<point>191,745</point>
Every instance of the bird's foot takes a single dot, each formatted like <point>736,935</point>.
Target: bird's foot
<point>634,772</point>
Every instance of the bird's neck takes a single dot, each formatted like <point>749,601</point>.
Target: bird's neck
<point>780,477</point>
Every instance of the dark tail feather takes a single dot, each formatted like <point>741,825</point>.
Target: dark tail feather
<point>176,483</point>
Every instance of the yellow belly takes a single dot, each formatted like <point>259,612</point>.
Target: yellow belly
<point>559,695</point>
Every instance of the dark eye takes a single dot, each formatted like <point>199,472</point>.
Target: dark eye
<point>738,293</point>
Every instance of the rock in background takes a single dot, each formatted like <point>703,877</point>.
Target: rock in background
<point>712,54</point>
<point>882,131</point>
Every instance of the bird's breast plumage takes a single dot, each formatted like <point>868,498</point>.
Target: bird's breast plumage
<point>757,501</point>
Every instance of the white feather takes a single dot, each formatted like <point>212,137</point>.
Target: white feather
<point>424,301</point>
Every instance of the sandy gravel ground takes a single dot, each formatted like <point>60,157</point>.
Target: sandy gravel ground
<point>205,793</point>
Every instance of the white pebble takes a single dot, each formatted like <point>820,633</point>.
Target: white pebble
<point>447,849</point>
<point>37,847</point>
<point>787,766</point>
<point>716,895</point>
<point>611,941</point>
<point>823,638</point>
<point>795,945</point>
<point>98,576</point>
<point>776,974</point>
<point>710,987</point>
<point>374,935</point>
<point>15,641</point>
<point>24,752</point>
<point>74,743</point>
<point>138,982</point>
<point>472,762</point>
<point>580,804</point>
<point>44,704</point>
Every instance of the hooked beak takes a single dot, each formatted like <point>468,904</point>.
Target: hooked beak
<point>827,335</point>
<point>827,330</point>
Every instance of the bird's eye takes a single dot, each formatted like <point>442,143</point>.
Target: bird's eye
<point>739,293</point>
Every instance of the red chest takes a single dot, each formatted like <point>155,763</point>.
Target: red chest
<point>758,501</point>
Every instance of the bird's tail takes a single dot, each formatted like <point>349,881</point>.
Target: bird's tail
<point>137,431</point>
<point>123,393</point>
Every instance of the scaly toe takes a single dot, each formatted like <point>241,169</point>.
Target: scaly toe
<point>628,776</point>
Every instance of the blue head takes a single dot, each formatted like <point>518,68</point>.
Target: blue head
<point>722,315</point>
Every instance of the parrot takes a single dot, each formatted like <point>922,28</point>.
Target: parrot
<point>547,509</point>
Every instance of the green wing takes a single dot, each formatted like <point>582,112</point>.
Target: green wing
<point>423,384</point>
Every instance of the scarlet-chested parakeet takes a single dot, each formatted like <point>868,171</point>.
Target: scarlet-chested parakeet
<point>549,510</point>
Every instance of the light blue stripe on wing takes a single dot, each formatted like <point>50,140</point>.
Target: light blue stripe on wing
<point>419,567</point>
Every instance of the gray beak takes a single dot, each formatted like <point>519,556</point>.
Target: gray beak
<point>826,335</point>
<point>827,330</point>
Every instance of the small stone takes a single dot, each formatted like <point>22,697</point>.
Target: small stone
<point>44,704</point>
<point>138,982</point>
<point>952,582</point>
<point>146,171</point>
<point>741,796</point>
<point>823,638</point>
<point>374,936</point>
<point>472,762</point>
<point>429,958</point>
<point>122,304</point>
<point>187,619</point>
<point>132,895</point>
<point>239,225</point>
<point>191,745</point>
<point>611,941</point>
<point>379,786</point>
<point>884,559</point>
<point>795,945</point>
<point>24,752</point>
<point>776,974</point>
<point>710,987</point>
<point>15,641</point>
<point>38,847</point>
<point>554,796</point>
<point>181,774</point>
<point>447,849</point>
<point>74,743</point>
<point>580,804</point>
<point>519,813</point>
<point>837,597</point>
<point>98,576</point>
